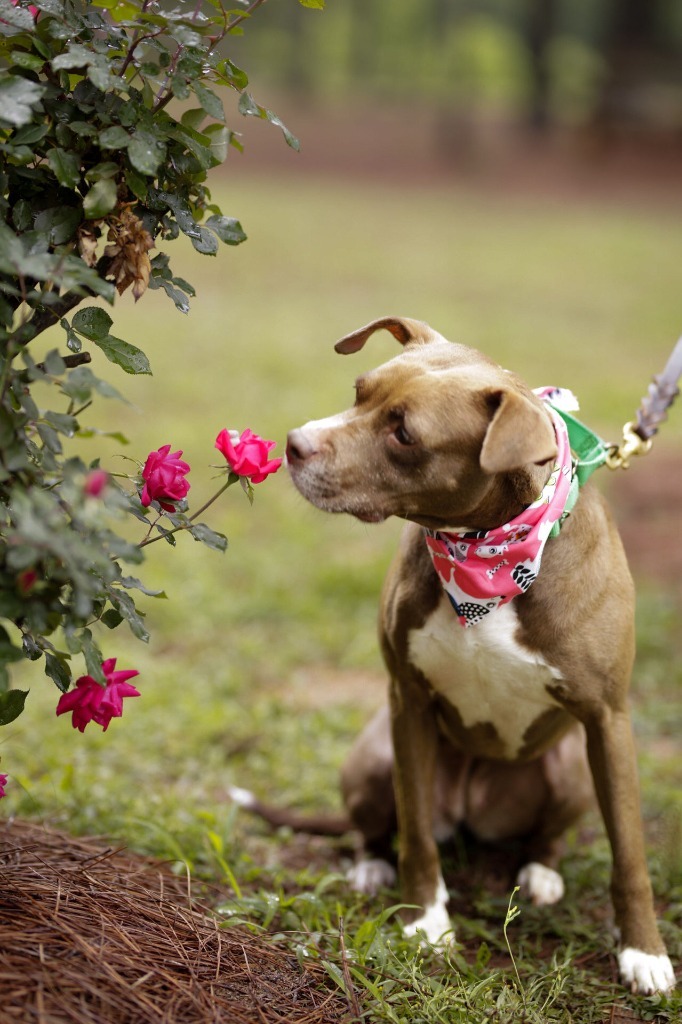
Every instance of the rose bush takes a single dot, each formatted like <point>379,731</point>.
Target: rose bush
<point>97,175</point>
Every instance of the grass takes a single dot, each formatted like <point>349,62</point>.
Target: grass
<point>263,664</point>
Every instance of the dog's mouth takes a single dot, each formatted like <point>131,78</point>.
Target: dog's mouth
<point>321,492</point>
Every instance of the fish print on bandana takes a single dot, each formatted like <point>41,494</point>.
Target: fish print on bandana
<point>481,571</point>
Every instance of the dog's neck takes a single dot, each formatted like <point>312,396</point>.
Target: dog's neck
<point>504,500</point>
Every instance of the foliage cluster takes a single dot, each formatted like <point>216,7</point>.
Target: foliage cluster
<point>95,172</point>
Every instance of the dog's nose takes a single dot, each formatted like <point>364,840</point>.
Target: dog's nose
<point>299,448</point>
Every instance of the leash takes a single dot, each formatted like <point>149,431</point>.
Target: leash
<point>653,410</point>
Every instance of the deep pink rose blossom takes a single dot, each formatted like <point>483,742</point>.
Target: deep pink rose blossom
<point>91,702</point>
<point>248,456</point>
<point>95,482</point>
<point>3,783</point>
<point>164,478</point>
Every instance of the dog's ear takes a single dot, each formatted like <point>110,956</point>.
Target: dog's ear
<point>520,433</point>
<point>402,328</point>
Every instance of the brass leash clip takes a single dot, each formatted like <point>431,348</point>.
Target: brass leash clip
<point>632,444</point>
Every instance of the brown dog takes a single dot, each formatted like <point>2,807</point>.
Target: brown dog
<point>491,726</point>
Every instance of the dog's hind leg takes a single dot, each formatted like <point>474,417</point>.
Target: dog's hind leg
<point>534,801</point>
<point>367,788</point>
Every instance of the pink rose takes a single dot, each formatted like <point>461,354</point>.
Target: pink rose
<point>164,478</point>
<point>95,482</point>
<point>3,783</point>
<point>248,456</point>
<point>91,702</point>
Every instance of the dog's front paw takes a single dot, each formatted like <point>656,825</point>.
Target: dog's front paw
<point>372,874</point>
<point>645,973</point>
<point>542,885</point>
<point>434,924</point>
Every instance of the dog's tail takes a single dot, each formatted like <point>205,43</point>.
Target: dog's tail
<point>318,825</point>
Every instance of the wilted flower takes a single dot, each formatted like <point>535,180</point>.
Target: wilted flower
<point>248,455</point>
<point>129,244</point>
<point>164,478</point>
<point>91,702</point>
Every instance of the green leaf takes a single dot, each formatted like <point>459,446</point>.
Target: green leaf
<point>124,604</point>
<point>30,134</point>
<point>230,74</point>
<point>100,75</point>
<point>58,225</point>
<point>18,97</point>
<point>93,323</point>
<point>92,655</point>
<point>193,118</point>
<point>146,152</point>
<point>61,422</point>
<point>220,141</point>
<point>65,166</point>
<point>227,229</point>
<point>136,184</point>
<point>250,108</point>
<point>18,17</point>
<point>125,355</point>
<point>213,540</point>
<point>58,670</point>
<point>75,56</point>
<point>209,102</point>
<point>27,60</point>
<point>12,704</point>
<point>111,618</point>
<point>314,5</point>
<point>115,137</point>
<point>101,199</point>
<point>204,242</point>
<point>106,169</point>
<point>81,382</point>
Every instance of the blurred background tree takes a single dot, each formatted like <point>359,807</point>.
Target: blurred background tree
<point>606,66</point>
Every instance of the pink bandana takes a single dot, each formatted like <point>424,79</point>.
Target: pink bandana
<point>481,571</point>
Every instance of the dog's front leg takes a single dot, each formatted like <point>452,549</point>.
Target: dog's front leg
<point>643,962</point>
<point>415,744</point>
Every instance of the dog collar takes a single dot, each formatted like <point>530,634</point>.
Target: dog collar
<point>480,571</point>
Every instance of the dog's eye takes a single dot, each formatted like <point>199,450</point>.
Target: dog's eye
<point>402,436</point>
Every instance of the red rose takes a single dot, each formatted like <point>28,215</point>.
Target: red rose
<point>164,478</point>
<point>91,702</point>
<point>249,455</point>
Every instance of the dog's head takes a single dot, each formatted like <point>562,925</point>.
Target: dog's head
<point>440,435</point>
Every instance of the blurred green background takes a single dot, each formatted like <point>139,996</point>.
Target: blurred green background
<point>431,183</point>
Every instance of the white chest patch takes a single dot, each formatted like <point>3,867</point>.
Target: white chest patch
<point>484,672</point>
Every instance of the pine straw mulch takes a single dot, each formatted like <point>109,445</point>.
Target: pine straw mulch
<point>89,935</point>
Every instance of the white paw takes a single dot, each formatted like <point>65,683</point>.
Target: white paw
<point>372,874</point>
<point>645,973</point>
<point>434,923</point>
<point>542,885</point>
